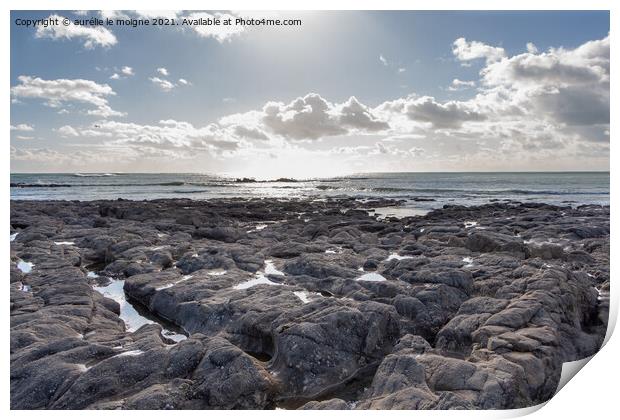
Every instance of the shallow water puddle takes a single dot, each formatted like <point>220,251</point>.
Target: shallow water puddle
<point>129,353</point>
<point>601,295</point>
<point>169,285</point>
<point>129,314</point>
<point>395,256</point>
<point>24,266</point>
<point>159,248</point>
<point>470,224</point>
<point>258,227</point>
<point>270,268</point>
<point>305,296</point>
<point>216,272</point>
<point>13,236</point>
<point>64,243</point>
<point>371,277</point>
<point>540,242</point>
<point>397,212</point>
<point>337,250</point>
<point>261,277</point>
<point>469,261</point>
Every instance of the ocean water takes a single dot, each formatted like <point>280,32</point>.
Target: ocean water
<point>420,190</point>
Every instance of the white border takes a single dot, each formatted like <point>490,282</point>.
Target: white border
<point>592,394</point>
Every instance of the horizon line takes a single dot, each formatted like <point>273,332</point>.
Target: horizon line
<point>287,176</point>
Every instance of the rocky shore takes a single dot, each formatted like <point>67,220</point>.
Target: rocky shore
<point>312,304</point>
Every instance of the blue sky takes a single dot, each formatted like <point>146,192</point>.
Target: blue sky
<point>409,114</point>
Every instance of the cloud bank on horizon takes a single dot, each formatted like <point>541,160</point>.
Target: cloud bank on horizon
<point>495,108</point>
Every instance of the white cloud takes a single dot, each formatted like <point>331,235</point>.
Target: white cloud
<point>220,33</point>
<point>67,131</point>
<point>471,50</point>
<point>569,86</point>
<point>97,36</point>
<point>312,117</point>
<point>461,85</point>
<point>163,71</point>
<point>531,48</point>
<point>425,109</point>
<point>522,112</point>
<point>163,84</point>
<point>61,91</point>
<point>22,127</point>
<point>183,82</point>
<point>167,134</point>
<point>383,60</point>
<point>123,73</point>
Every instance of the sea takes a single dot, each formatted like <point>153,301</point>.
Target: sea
<point>420,191</point>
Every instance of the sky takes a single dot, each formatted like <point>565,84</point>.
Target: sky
<point>344,92</point>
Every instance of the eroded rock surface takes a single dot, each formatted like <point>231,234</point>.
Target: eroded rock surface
<point>302,304</point>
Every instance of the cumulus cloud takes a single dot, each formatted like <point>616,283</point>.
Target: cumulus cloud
<point>22,127</point>
<point>528,109</point>
<point>589,63</point>
<point>221,33</point>
<point>531,48</point>
<point>251,133</point>
<point>163,84</point>
<point>355,116</point>
<point>451,114</point>
<point>383,60</point>
<point>471,50</point>
<point>67,131</point>
<point>312,117</point>
<point>92,37</point>
<point>127,71</point>
<point>457,85</point>
<point>61,91</point>
<point>570,86</point>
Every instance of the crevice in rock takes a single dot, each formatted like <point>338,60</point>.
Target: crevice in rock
<point>350,389</point>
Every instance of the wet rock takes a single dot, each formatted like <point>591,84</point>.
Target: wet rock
<point>444,315</point>
<point>495,242</point>
<point>228,378</point>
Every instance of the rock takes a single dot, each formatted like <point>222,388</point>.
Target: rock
<point>495,242</point>
<point>444,315</point>
<point>546,251</point>
<point>399,383</point>
<point>223,234</point>
<point>228,378</point>
<point>333,404</point>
